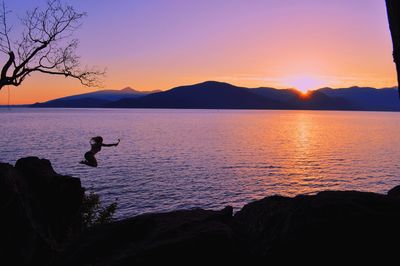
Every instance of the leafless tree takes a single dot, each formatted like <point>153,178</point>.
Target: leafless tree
<point>45,45</point>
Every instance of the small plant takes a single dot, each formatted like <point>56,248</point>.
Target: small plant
<point>93,213</point>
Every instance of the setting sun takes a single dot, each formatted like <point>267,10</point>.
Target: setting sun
<point>303,83</point>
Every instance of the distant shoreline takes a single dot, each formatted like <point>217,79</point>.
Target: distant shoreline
<point>163,108</point>
<point>221,95</point>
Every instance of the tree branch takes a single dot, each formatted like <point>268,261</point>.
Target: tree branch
<point>44,46</point>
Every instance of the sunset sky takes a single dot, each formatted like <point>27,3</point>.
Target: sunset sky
<point>159,44</point>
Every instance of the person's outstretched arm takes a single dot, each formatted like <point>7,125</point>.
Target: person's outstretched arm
<point>110,145</point>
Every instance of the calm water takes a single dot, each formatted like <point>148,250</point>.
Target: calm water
<point>170,159</point>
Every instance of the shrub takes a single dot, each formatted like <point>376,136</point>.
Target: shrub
<point>93,213</point>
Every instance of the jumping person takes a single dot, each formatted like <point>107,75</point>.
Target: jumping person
<point>96,143</point>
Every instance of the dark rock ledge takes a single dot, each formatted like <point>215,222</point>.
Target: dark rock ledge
<point>40,224</point>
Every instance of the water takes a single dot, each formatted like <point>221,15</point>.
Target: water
<point>173,159</point>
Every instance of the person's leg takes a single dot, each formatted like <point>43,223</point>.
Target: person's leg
<point>90,159</point>
<point>94,161</point>
<point>85,161</point>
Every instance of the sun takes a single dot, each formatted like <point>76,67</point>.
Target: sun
<point>303,83</point>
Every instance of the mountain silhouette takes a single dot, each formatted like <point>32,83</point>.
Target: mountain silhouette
<point>220,95</point>
<point>313,100</point>
<point>206,95</point>
<point>94,99</point>
<point>283,95</point>
<point>368,99</point>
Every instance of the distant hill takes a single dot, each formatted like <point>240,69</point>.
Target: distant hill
<point>371,99</point>
<point>94,99</point>
<point>285,95</point>
<point>220,95</point>
<point>314,100</point>
<point>206,95</point>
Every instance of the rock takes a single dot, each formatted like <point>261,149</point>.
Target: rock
<point>53,200</point>
<point>341,226</point>
<point>41,211</point>
<point>180,237</point>
<point>18,240</point>
<point>394,192</point>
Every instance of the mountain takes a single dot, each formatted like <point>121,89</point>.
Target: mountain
<point>367,98</point>
<point>284,95</point>
<point>206,95</point>
<point>313,100</point>
<point>220,95</point>
<point>94,99</point>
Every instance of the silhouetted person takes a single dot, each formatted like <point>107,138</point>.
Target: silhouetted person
<point>96,143</point>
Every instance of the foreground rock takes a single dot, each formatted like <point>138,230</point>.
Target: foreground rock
<point>40,212</point>
<point>332,226</point>
<point>40,226</point>
<point>180,237</point>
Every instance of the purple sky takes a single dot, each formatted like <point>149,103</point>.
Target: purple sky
<point>158,44</point>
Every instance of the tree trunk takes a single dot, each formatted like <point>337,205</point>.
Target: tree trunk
<point>4,80</point>
<point>393,10</point>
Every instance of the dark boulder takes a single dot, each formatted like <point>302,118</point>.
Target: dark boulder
<point>337,225</point>
<point>394,192</point>
<point>41,211</point>
<point>181,237</point>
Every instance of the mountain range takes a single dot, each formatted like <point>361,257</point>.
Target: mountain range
<point>94,99</point>
<point>220,95</point>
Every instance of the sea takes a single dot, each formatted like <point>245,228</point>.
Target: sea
<point>172,159</point>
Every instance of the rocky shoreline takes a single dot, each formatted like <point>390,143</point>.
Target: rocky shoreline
<point>41,225</point>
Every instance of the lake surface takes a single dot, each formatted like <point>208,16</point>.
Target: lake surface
<point>173,159</point>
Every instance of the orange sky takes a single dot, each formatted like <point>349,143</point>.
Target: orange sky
<point>157,44</point>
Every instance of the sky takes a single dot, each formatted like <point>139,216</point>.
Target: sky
<point>160,44</point>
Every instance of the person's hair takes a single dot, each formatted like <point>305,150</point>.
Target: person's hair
<point>97,139</point>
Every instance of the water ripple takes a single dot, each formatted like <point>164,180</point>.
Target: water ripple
<point>173,159</point>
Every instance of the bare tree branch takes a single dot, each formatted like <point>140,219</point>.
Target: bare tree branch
<point>45,46</point>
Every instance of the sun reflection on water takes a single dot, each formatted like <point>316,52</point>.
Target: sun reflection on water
<point>171,159</point>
